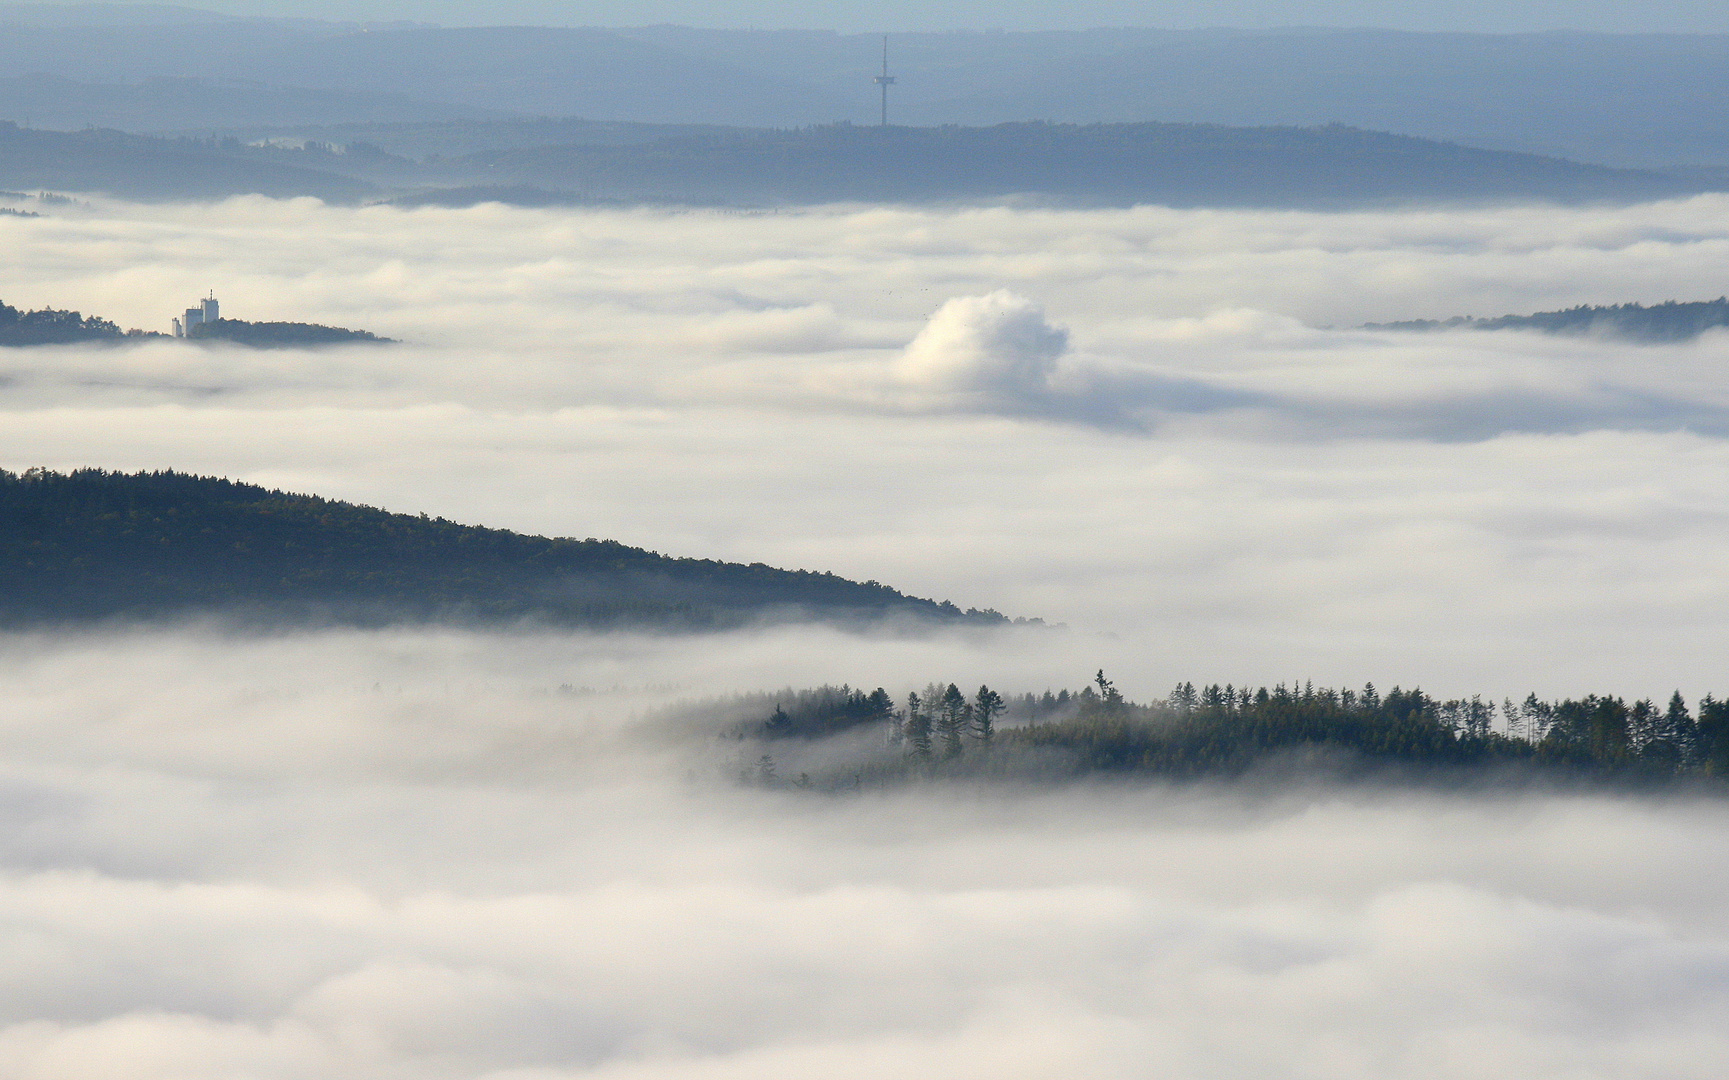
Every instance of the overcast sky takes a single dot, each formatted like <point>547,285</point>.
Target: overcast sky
<point>1669,16</point>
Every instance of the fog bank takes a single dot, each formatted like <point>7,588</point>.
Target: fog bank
<point>394,855</point>
<point>1132,422</point>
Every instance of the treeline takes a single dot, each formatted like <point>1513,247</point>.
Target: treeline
<point>1669,321</point>
<point>1226,730</point>
<point>51,327</point>
<point>281,335</point>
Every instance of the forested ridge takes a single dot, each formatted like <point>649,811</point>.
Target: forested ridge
<point>90,545</point>
<point>1666,322</point>
<point>1216,731</point>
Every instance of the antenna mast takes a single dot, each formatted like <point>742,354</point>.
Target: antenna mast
<point>885,80</point>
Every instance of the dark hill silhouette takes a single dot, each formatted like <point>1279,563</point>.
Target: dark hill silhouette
<point>94,545</point>
<point>145,168</point>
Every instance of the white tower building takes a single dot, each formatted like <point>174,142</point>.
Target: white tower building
<point>207,311</point>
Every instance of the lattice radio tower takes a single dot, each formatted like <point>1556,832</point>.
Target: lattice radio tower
<point>885,80</point>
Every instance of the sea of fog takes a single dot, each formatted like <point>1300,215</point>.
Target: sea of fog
<point>437,853</point>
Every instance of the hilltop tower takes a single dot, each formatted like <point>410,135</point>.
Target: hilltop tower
<point>207,311</point>
<point>885,80</point>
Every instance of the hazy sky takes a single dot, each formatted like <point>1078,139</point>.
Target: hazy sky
<point>1484,15</point>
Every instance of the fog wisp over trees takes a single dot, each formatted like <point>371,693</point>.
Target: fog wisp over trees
<point>1222,732</point>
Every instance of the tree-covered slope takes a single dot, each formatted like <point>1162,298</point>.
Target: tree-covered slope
<point>97,545</point>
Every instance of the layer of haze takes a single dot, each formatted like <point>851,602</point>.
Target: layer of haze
<point>409,855</point>
<point>1668,16</point>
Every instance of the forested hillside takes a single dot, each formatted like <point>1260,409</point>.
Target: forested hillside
<point>94,545</point>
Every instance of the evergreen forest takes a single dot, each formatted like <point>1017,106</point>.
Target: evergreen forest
<point>840,737</point>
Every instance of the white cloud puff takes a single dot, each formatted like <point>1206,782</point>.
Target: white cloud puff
<point>999,343</point>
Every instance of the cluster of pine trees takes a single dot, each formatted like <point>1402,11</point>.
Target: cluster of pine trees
<point>1222,730</point>
<point>945,717</point>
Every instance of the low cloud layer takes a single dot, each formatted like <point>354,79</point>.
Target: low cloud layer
<point>408,855</point>
<point>1133,422</point>
<point>395,855</point>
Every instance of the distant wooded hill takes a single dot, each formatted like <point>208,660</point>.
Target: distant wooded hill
<point>1666,322</point>
<point>149,169</point>
<point>1094,164</point>
<point>51,327</point>
<point>1649,100</point>
<point>94,545</point>
<point>1102,164</point>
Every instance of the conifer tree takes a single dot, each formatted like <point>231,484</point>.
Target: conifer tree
<point>918,727</point>
<point>987,705</point>
<point>953,718</point>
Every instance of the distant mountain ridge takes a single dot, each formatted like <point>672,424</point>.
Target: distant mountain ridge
<point>93,545</point>
<point>1089,165</point>
<point>1636,100</point>
<point>1095,164</point>
<point>150,169</point>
